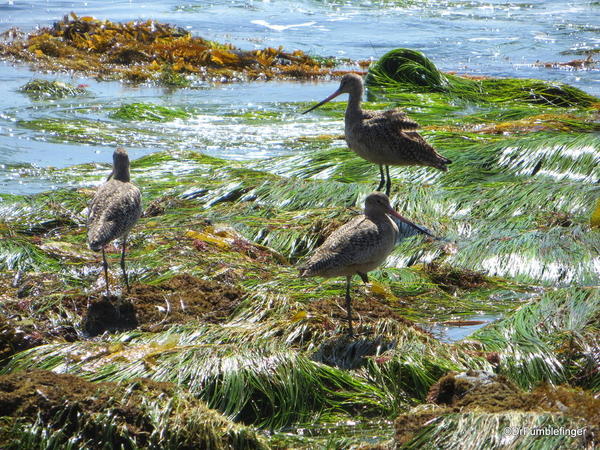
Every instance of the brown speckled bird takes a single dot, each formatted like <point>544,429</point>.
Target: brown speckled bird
<point>387,138</point>
<point>360,245</point>
<point>114,210</point>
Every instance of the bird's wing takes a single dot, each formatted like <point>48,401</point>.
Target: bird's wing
<point>113,211</point>
<point>385,134</point>
<point>395,118</point>
<point>356,242</point>
<point>113,203</point>
<point>414,140</point>
<point>399,119</point>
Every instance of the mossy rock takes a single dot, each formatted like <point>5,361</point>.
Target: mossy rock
<point>43,89</point>
<point>405,70</point>
<point>42,409</point>
<point>494,405</point>
<point>407,66</point>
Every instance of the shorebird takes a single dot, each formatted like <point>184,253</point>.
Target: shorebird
<point>113,212</point>
<point>387,138</point>
<point>361,245</point>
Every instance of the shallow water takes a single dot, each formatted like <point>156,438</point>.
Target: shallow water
<point>480,37</point>
<point>451,333</point>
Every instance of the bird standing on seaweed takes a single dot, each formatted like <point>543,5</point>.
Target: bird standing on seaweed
<point>360,245</point>
<point>113,212</point>
<point>383,137</point>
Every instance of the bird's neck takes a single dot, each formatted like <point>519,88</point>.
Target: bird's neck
<point>121,174</point>
<point>375,215</point>
<point>353,107</point>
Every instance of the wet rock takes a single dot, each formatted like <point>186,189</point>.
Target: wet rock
<point>488,393</point>
<point>16,337</point>
<point>451,278</point>
<point>181,299</point>
<point>109,314</point>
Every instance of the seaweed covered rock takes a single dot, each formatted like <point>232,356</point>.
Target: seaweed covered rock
<point>148,112</point>
<point>451,278</point>
<point>477,397</point>
<point>369,310</point>
<point>406,70</point>
<point>184,298</point>
<point>347,353</point>
<point>109,314</point>
<point>178,300</point>
<point>44,89</point>
<point>16,337</point>
<point>404,66</point>
<point>42,407</point>
<point>485,389</point>
<point>148,50</point>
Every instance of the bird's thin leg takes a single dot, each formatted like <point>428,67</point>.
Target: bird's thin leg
<point>105,266</point>
<point>388,184</point>
<point>382,178</point>
<point>123,263</point>
<point>349,305</point>
<point>364,277</point>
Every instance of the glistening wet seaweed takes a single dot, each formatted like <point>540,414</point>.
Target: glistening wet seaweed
<point>515,212</point>
<point>410,70</point>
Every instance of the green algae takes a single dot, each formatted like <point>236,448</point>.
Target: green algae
<point>19,254</point>
<point>409,67</point>
<point>149,112</point>
<point>281,213</point>
<point>85,131</point>
<point>273,308</point>
<point>409,70</point>
<point>511,416</point>
<point>262,385</point>
<point>454,430</point>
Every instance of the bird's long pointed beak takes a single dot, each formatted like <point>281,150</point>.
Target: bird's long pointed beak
<point>399,216</point>
<point>328,99</point>
<point>111,175</point>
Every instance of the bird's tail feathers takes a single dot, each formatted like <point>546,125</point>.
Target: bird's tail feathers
<point>96,240</point>
<point>441,163</point>
<point>95,246</point>
<point>304,271</point>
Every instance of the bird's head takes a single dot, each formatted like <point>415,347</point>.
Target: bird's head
<point>121,165</point>
<point>351,83</point>
<point>378,204</point>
